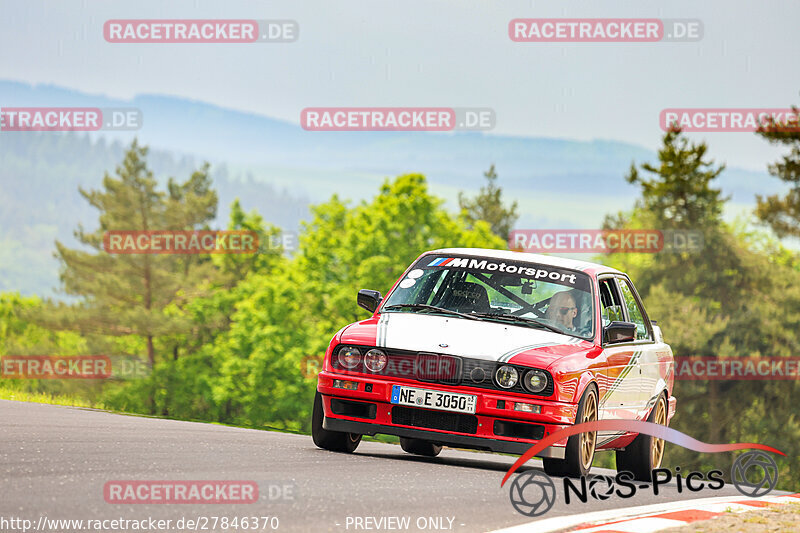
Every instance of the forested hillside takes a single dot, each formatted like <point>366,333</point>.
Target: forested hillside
<point>40,174</point>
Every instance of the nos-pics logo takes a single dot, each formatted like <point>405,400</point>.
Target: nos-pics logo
<point>533,493</point>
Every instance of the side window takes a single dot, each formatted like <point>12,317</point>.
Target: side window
<point>610,305</point>
<point>634,311</point>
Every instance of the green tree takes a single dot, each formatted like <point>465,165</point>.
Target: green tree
<point>782,213</point>
<point>488,205</point>
<point>739,297</point>
<point>678,192</point>
<point>130,294</point>
<point>253,373</point>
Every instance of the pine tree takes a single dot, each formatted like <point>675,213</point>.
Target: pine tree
<point>679,193</point>
<point>782,213</point>
<point>488,206</point>
<point>129,294</point>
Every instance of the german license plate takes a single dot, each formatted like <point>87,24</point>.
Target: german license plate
<point>433,399</point>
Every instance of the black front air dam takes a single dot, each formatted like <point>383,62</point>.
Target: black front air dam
<point>446,439</point>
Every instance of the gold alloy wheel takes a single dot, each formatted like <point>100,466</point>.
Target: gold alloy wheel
<point>657,450</point>
<point>588,440</point>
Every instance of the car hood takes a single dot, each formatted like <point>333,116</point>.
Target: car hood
<point>485,340</point>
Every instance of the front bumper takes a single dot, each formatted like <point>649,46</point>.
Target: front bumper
<point>495,426</point>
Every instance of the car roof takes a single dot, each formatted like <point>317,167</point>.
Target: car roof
<point>510,255</point>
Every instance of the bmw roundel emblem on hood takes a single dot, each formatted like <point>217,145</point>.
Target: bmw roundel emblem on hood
<point>443,345</point>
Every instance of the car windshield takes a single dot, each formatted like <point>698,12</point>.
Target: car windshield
<point>512,292</point>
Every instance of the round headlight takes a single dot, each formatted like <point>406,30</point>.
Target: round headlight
<point>506,376</point>
<point>349,357</point>
<point>375,360</point>
<point>535,381</point>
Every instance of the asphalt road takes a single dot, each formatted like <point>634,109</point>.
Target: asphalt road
<point>56,460</point>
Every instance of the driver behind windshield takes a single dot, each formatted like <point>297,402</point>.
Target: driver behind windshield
<point>562,310</point>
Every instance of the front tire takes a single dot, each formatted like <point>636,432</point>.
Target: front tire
<point>646,452</point>
<point>580,448</point>
<point>420,447</point>
<point>335,441</point>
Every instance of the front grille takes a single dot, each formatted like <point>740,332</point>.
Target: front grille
<point>442,368</point>
<point>419,366</point>
<point>424,418</point>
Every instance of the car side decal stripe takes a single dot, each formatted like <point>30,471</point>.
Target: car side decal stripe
<point>508,355</point>
<point>619,379</point>
<point>609,438</point>
<point>622,375</point>
<point>613,436</point>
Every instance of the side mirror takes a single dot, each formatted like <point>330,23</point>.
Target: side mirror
<point>619,332</point>
<point>369,300</point>
<point>659,336</point>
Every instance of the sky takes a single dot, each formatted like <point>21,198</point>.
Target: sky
<point>431,53</point>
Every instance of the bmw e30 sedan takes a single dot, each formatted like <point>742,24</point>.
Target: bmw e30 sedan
<point>494,350</point>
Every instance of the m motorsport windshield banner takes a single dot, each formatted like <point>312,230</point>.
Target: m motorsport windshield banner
<point>531,271</point>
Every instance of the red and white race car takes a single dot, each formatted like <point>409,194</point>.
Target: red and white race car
<point>493,350</point>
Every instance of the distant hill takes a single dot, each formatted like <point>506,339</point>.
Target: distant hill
<point>278,168</point>
<point>39,200</point>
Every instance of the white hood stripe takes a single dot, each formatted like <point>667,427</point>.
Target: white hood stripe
<point>507,356</point>
<point>380,337</point>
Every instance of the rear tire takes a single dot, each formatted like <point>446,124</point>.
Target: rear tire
<point>335,441</point>
<point>646,452</point>
<point>580,448</point>
<point>420,447</point>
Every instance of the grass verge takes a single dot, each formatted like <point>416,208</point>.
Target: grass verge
<point>42,397</point>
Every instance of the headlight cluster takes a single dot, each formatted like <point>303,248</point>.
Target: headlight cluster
<point>375,360</point>
<point>507,376</point>
<point>350,357</point>
<point>533,380</point>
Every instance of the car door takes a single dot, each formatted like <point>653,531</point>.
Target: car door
<point>623,387</point>
<point>655,357</point>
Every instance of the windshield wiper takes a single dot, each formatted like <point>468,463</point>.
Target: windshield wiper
<point>430,308</point>
<point>522,319</point>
